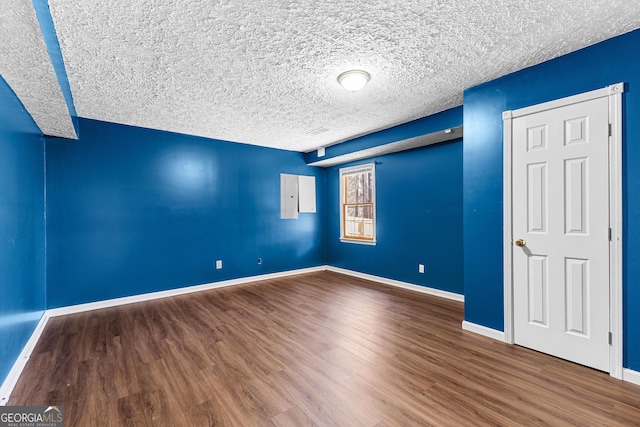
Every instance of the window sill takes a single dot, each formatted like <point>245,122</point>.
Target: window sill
<point>358,242</point>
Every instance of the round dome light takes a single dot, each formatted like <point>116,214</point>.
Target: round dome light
<point>354,80</point>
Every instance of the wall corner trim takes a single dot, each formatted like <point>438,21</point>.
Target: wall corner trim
<point>631,376</point>
<point>398,284</point>
<point>15,372</point>
<point>483,330</point>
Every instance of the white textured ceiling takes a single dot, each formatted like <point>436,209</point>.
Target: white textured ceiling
<point>25,66</point>
<point>264,72</point>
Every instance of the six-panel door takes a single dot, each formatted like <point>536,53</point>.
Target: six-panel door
<point>561,214</point>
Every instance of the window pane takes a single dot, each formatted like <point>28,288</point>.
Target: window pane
<point>367,187</point>
<point>358,221</point>
<point>359,187</point>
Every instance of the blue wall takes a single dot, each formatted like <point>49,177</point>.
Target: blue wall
<point>133,210</point>
<point>22,243</point>
<point>613,61</point>
<point>419,218</point>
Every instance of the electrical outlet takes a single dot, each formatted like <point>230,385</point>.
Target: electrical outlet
<point>259,260</point>
<point>420,268</point>
<point>218,264</point>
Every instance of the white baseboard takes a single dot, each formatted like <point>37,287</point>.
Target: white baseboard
<point>631,376</point>
<point>15,372</point>
<point>483,330</point>
<point>207,286</point>
<point>20,363</point>
<point>628,375</point>
<point>173,292</point>
<point>398,284</point>
<point>13,376</point>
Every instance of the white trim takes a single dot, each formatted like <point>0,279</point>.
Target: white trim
<point>631,376</point>
<point>615,222</point>
<point>617,88</point>
<point>507,228</point>
<point>358,242</point>
<point>23,358</point>
<point>15,372</point>
<point>353,170</point>
<point>80,308</point>
<point>483,330</point>
<point>614,93</point>
<point>174,292</point>
<point>398,284</point>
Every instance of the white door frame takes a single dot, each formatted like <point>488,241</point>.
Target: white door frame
<point>614,93</point>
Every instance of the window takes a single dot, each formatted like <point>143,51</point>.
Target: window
<point>358,204</point>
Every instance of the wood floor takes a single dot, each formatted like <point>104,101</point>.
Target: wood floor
<point>320,349</point>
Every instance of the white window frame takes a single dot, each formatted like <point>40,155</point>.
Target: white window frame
<point>348,171</point>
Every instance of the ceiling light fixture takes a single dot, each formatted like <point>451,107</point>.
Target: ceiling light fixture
<point>354,80</point>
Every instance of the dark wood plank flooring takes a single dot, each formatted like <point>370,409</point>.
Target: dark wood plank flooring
<point>320,349</point>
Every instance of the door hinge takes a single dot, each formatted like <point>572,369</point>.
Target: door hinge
<point>610,338</point>
<point>610,129</point>
<point>610,234</point>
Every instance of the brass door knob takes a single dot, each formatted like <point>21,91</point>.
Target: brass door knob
<point>520,243</point>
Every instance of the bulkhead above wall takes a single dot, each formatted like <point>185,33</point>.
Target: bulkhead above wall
<point>437,128</point>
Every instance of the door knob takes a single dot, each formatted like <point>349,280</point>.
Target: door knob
<point>520,243</point>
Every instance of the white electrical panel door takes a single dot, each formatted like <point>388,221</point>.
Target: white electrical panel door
<point>306,193</point>
<point>288,196</point>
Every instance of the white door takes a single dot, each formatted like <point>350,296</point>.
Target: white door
<point>561,224</point>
